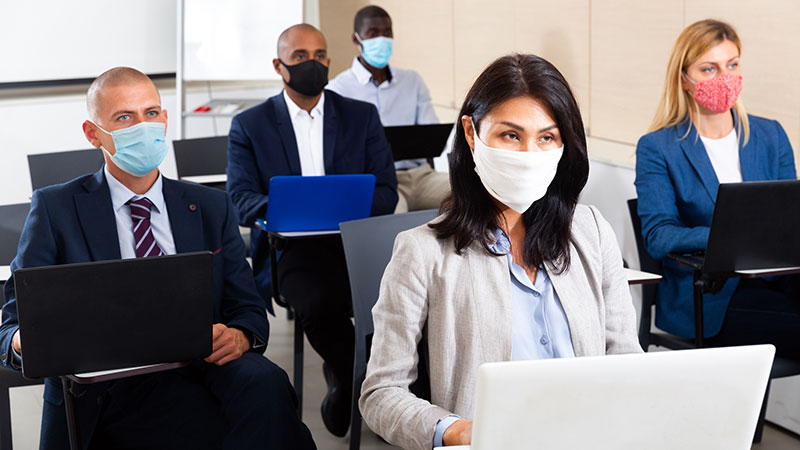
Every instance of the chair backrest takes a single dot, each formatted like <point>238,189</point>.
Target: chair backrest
<point>368,247</point>
<point>648,264</point>
<point>12,219</point>
<point>201,156</point>
<point>47,169</point>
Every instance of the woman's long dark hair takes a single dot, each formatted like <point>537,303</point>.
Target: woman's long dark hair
<point>469,212</point>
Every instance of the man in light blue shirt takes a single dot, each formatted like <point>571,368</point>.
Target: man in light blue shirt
<point>401,98</point>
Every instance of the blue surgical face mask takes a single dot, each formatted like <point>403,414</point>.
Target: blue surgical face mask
<point>140,148</point>
<point>376,51</point>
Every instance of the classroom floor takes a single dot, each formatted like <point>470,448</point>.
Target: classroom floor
<point>26,402</point>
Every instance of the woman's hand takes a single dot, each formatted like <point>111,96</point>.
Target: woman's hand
<point>459,433</point>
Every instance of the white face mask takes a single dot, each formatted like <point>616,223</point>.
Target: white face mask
<point>516,179</point>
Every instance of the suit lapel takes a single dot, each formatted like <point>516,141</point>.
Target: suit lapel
<point>96,215</point>
<point>185,218</point>
<point>286,132</point>
<point>748,159</point>
<point>573,292</point>
<point>329,126</point>
<point>696,153</point>
<point>491,303</point>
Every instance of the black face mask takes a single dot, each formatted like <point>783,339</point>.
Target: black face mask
<point>308,77</point>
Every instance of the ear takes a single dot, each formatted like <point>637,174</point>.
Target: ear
<point>90,131</point>
<point>354,38</point>
<point>686,85</point>
<point>469,131</point>
<point>166,122</point>
<point>276,64</point>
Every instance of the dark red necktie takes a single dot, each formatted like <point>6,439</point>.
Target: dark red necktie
<point>143,238</point>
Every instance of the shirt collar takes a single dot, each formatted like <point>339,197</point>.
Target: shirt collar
<point>362,74</point>
<point>294,110</point>
<point>501,242</point>
<point>120,194</point>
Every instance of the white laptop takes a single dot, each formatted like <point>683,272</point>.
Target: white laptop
<point>690,399</point>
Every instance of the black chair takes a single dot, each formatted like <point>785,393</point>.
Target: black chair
<point>12,218</point>
<point>47,169</point>
<point>368,247</point>
<point>202,156</point>
<point>781,367</point>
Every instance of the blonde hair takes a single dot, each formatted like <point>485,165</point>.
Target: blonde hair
<point>678,105</point>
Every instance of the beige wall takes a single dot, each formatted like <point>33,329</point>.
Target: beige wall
<point>612,52</point>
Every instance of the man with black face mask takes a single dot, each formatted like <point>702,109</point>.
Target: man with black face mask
<point>306,130</point>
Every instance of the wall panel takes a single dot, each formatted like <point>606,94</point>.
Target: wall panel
<point>558,32</point>
<point>630,44</point>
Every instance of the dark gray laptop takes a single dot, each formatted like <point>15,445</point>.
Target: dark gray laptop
<point>755,226</point>
<point>87,317</point>
<point>417,141</point>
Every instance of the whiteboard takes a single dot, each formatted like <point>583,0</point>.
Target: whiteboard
<point>45,40</point>
<point>235,39</point>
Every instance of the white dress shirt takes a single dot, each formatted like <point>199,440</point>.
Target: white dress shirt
<point>308,134</point>
<point>159,218</point>
<point>724,156</point>
<point>401,99</point>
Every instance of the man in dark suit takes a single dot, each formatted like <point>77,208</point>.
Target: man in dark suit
<point>234,399</point>
<point>306,130</point>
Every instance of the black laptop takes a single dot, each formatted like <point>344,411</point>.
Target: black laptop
<point>756,225</point>
<point>418,141</point>
<point>87,317</point>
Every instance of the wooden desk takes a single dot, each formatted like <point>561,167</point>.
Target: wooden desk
<point>69,381</point>
<point>639,277</point>
<point>206,179</point>
<point>712,283</point>
<point>108,375</point>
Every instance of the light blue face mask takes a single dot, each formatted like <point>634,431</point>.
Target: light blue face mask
<point>376,51</point>
<point>140,148</point>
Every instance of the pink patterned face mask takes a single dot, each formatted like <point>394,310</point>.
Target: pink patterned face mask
<point>719,93</point>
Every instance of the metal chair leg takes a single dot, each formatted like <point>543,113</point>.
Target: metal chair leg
<point>298,366</point>
<point>69,408</point>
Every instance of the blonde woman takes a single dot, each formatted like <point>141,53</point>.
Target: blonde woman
<point>701,136</point>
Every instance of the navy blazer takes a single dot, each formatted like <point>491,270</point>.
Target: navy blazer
<point>677,189</point>
<point>262,144</point>
<point>74,222</point>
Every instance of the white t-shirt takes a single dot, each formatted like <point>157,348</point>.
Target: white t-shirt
<point>724,156</point>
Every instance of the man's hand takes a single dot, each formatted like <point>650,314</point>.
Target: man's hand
<point>459,433</point>
<point>228,344</point>
<point>16,342</point>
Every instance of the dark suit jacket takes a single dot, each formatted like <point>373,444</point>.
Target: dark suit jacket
<point>677,189</point>
<point>74,222</point>
<point>261,145</point>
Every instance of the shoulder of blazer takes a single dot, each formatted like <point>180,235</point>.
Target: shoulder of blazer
<point>348,106</point>
<point>585,223</point>
<point>761,124</point>
<point>663,137</point>
<point>257,112</point>
<point>209,196</point>
<point>82,184</point>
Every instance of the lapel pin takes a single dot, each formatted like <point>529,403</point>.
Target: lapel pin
<point>192,207</point>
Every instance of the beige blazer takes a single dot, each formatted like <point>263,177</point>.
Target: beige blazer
<point>463,303</point>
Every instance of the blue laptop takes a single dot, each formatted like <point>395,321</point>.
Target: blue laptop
<point>298,203</point>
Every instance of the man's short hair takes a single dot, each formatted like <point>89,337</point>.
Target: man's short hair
<point>368,12</point>
<point>111,78</point>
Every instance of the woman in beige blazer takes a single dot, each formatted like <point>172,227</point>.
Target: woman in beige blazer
<point>513,269</point>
